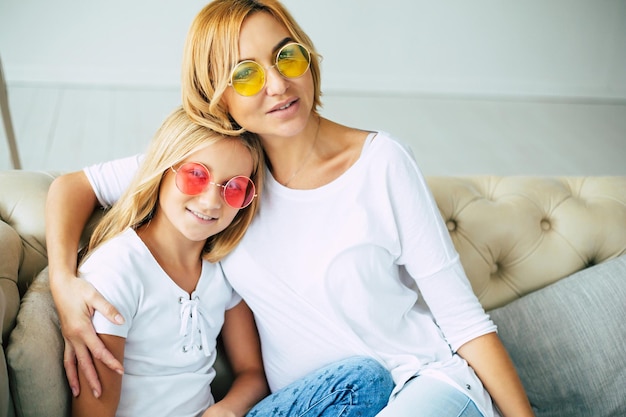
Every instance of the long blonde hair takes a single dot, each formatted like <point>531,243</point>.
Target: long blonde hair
<point>212,50</point>
<point>177,138</point>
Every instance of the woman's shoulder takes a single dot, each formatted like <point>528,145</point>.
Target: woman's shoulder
<point>383,148</point>
<point>387,140</point>
<point>359,141</point>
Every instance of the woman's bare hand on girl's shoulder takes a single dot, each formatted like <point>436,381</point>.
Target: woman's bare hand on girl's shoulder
<point>76,303</point>
<point>69,204</point>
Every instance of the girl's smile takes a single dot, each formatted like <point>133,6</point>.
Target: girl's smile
<point>197,217</point>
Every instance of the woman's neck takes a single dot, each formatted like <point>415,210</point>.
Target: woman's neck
<point>322,152</point>
<point>289,156</point>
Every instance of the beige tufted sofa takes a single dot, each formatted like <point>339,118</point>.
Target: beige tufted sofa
<point>516,236</point>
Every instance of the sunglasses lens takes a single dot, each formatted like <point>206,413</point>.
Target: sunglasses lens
<point>239,192</point>
<point>192,178</point>
<point>248,78</point>
<point>293,60</point>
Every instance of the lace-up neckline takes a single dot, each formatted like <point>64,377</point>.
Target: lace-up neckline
<point>194,325</point>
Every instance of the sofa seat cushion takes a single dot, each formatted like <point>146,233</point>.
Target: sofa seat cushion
<point>567,342</point>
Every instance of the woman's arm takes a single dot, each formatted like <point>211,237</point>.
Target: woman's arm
<point>69,204</point>
<point>491,362</point>
<point>241,341</point>
<point>87,404</point>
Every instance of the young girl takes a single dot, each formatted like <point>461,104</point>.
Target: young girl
<point>360,262</point>
<point>155,256</point>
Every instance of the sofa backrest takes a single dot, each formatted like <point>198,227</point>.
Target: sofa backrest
<point>516,235</point>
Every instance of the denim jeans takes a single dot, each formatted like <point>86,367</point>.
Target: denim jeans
<point>425,396</point>
<point>355,387</point>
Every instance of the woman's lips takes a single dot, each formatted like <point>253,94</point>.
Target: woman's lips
<point>285,106</point>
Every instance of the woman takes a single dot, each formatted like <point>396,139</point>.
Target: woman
<point>359,262</point>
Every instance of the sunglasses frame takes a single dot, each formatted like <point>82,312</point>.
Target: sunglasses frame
<point>209,182</point>
<point>264,69</point>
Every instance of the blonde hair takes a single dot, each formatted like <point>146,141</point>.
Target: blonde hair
<point>177,138</point>
<point>212,50</point>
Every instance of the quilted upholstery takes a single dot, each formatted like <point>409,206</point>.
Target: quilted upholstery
<point>518,234</point>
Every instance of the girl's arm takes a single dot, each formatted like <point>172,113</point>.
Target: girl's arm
<point>243,349</point>
<point>491,362</point>
<point>87,404</point>
<point>69,204</point>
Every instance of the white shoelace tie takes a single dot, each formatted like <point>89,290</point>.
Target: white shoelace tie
<point>194,325</point>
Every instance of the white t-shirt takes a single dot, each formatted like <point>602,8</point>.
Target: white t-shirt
<point>170,335</point>
<point>363,265</point>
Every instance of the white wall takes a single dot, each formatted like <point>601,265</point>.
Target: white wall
<point>560,48</point>
<point>484,86</point>
<point>531,47</point>
<point>94,42</point>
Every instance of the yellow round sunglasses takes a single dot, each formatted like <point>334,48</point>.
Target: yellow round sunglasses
<point>248,77</point>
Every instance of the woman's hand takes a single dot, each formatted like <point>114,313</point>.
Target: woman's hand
<point>69,205</point>
<point>86,405</point>
<point>76,302</point>
<point>491,362</point>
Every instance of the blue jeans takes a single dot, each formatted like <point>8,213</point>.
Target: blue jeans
<point>425,396</point>
<point>355,387</point>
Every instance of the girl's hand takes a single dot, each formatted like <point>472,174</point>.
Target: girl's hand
<point>76,300</point>
<point>243,350</point>
<point>217,411</point>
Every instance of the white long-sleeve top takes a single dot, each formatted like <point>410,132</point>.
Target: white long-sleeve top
<point>362,265</point>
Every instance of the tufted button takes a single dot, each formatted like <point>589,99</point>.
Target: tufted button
<point>494,268</point>
<point>451,225</point>
<point>546,225</point>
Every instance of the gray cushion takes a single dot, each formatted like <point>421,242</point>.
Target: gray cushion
<point>35,356</point>
<point>567,342</point>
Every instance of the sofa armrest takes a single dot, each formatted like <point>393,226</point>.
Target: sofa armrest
<point>22,206</point>
<point>10,258</point>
